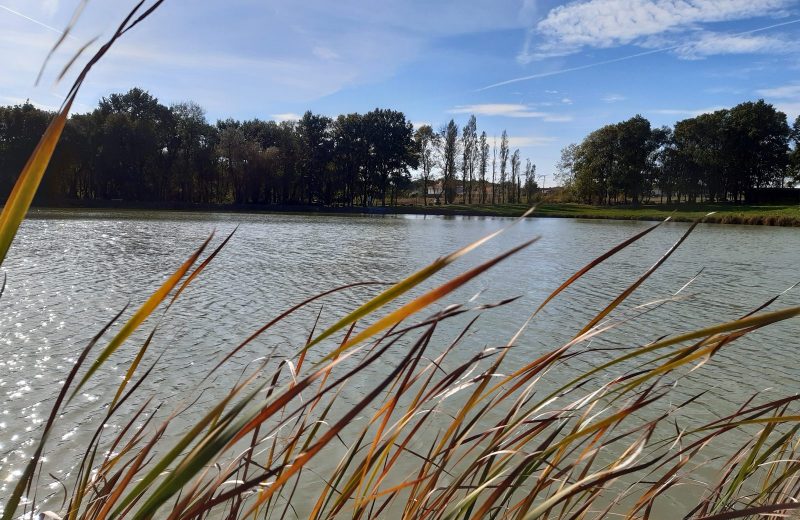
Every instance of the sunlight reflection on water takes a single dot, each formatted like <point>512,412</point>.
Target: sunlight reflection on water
<point>69,272</point>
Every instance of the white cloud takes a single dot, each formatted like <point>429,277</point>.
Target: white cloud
<point>684,112</point>
<point>782,92</point>
<point>515,110</point>
<point>286,116</point>
<point>608,23</point>
<point>325,53</point>
<point>566,101</point>
<point>791,109</point>
<point>613,98</point>
<point>788,97</point>
<point>531,140</point>
<point>711,44</point>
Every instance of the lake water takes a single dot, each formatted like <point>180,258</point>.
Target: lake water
<point>69,272</point>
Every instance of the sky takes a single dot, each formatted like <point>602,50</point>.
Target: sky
<point>548,72</point>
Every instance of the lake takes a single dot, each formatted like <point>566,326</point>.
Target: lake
<point>69,272</point>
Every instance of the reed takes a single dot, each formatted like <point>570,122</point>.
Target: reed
<point>503,445</point>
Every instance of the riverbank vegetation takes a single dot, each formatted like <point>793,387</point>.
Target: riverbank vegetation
<point>721,213</point>
<point>718,156</point>
<point>133,149</point>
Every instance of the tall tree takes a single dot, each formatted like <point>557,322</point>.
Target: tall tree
<point>483,146</point>
<point>449,152</point>
<point>503,162</point>
<point>316,142</point>
<point>494,168</point>
<point>469,137</point>
<point>425,141</point>
<point>391,144</point>
<point>515,173</point>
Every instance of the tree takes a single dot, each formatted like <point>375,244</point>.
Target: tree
<point>634,146</point>
<point>595,164</point>
<point>391,150</point>
<point>449,151</point>
<point>193,148</point>
<point>503,162</point>
<point>483,146</point>
<point>530,180</point>
<point>794,157</point>
<point>515,173</point>
<point>565,173</point>
<point>316,146</point>
<point>469,137</point>
<point>426,142</point>
<point>761,134</point>
<point>494,168</point>
<point>350,155</point>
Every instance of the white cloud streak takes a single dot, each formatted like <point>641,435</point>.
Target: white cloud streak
<point>609,23</point>
<point>684,112</point>
<point>530,141</point>
<point>286,116</point>
<point>782,92</point>
<point>711,44</point>
<point>33,20</point>
<point>613,98</point>
<point>592,65</point>
<point>514,110</point>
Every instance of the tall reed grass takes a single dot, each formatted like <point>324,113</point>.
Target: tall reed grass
<point>429,439</point>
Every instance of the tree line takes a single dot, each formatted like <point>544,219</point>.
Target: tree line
<point>133,148</point>
<point>717,156</point>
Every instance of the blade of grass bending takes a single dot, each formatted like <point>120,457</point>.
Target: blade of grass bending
<point>752,511</point>
<point>28,182</point>
<point>424,300</point>
<point>635,285</point>
<point>594,263</point>
<point>13,501</point>
<point>144,311</point>
<point>64,35</point>
<point>407,284</point>
<point>199,269</point>
<point>282,316</point>
<point>307,455</point>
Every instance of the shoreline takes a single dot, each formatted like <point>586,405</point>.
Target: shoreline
<point>765,215</point>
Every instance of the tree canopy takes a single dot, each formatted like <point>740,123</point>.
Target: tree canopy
<point>716,156</point>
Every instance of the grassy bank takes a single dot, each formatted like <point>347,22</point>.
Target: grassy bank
<point>772,215</point>
<point>769,215</point>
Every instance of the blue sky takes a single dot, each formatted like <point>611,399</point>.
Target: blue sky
<point>548,72</point>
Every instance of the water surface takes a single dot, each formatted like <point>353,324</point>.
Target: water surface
<point>69,272</point>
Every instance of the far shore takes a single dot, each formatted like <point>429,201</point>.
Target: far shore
<point>724,213</point>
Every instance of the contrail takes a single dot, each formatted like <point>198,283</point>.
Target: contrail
<point>37,22</point>
<point>623,58</point>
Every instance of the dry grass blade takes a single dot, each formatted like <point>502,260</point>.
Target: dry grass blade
<point>141,314</point>
<point>409,283</point>
<point>30,177</point>
<point>28,181</point>
<point>425,300</point>
<point>27,475</point>
<point>628,291</point>
<point>594,263</point>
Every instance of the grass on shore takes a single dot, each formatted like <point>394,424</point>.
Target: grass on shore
<point>772,215</point>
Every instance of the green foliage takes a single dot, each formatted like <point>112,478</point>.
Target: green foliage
<point>716,156</point>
